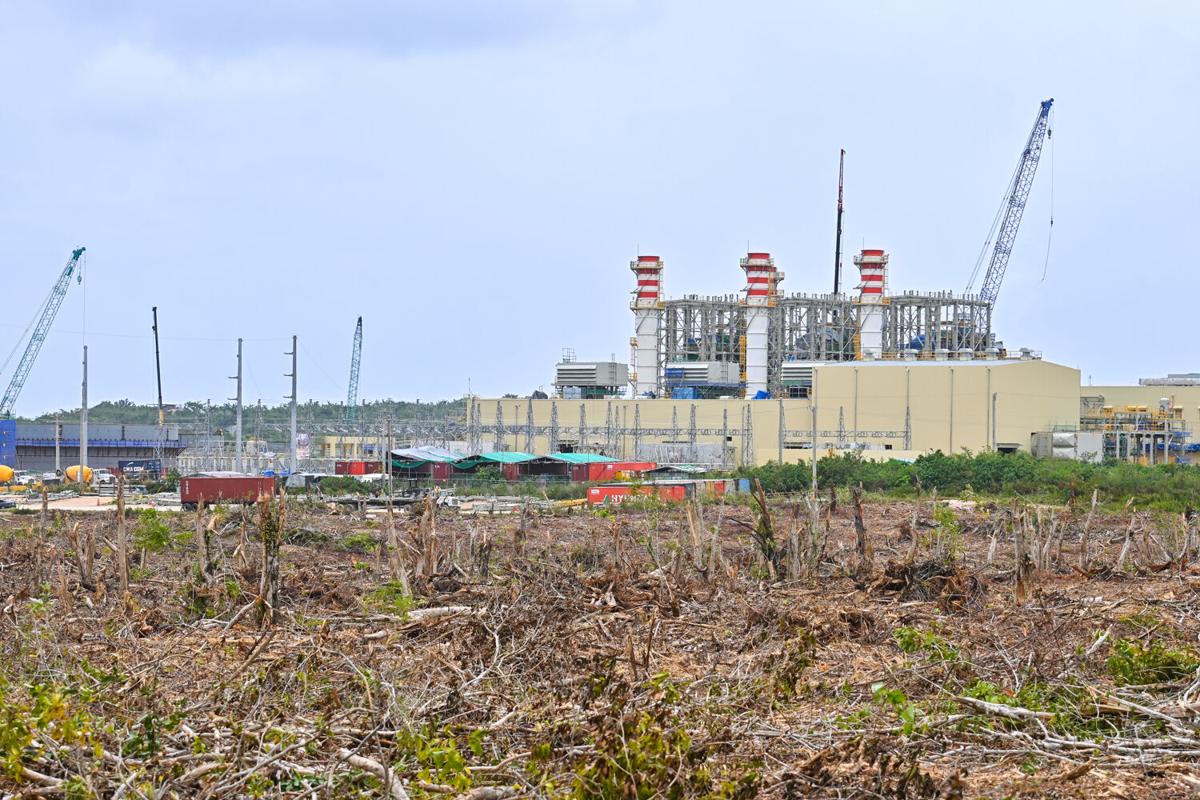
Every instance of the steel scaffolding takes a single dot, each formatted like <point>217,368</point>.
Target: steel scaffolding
<point>824,327</point>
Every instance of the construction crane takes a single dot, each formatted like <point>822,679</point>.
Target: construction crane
<point>355,358</point>
<point>1008,218</point>
<point>41,328</point>
<point>158,444</point>
<point>837,247</point>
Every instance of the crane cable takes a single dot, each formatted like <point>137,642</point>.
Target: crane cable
<point>23,340</point>
<point>1050,232</point>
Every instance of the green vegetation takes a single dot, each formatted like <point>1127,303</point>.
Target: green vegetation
<point>361,542</point>
<point>170,483</point>
<point>911,717</point>
<point>344,484</point>
<point>1132,664</point>
<point>391,598</point>
<point>1169,487</point>
<point>223,416</point>
<point>914,640</point>
<point>152,532</point>
<point>649,752</point>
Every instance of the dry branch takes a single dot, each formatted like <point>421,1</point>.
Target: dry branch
<point>394,788</point>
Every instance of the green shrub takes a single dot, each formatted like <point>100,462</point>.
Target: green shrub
<point>390,598</point>
<point>1170,487</point>
<point>152,532</point>
<point>1131,664</point>
<point>344,484</point>
<point>915,640</point>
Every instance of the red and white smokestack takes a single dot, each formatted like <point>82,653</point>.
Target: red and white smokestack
<point>647,323</point>
<point>762,280</point>
<point>872,269</point>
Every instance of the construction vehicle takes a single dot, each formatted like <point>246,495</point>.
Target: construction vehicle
<point>1008,218</point>
<point>41,328</point>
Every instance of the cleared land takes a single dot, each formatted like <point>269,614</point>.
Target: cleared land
<point>646,652</point>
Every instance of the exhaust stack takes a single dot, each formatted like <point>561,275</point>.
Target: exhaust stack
<point>872,269</point>
<point>762,281</point>
<point>647,325</point>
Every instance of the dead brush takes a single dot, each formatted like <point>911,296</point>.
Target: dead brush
<point>953,587</point>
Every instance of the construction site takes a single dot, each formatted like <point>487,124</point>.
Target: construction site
<point>820,534</point>
<point>737,380</point>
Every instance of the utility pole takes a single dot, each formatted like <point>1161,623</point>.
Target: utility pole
<point>210,445</point>
<point>57,446</point>
<point>994,396</point>
<point>237,452</point>
<point>814,449</point>
<point>83,432</point>
<point>292,460</point>
<point>158,446</point>
<point>388,462</point>
<point>837,248</point>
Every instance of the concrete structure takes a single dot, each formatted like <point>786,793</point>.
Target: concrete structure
<point>40,446</point>
<point>888,408</point>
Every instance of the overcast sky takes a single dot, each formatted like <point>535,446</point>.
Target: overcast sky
<point>474,177</point>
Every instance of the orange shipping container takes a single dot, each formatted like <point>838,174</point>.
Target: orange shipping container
<point>670,493</point>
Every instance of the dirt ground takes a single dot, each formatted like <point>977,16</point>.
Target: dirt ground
<point>635,653</point>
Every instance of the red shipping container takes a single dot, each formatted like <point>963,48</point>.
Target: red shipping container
<point>341,468</point>
<point>511,472</point>
<point>358,468</point>
<point>210,490</point>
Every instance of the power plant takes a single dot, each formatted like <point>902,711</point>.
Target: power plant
<point>762,342</point>
<point>759,374</point>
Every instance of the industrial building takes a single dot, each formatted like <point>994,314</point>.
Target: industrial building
<point>889,408</point>
<point>768,376</point>
<point>46,447</point>
<point>1151,422</point>
<point>761,342</point>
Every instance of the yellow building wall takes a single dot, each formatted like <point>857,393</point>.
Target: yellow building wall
<point>350,448</point>
<point>950,408</point>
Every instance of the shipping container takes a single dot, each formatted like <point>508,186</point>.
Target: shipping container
<point>357,467</point>
<point>212,489</point>
<point>618,470</point>
<point>140,467</point>
<point>668,493</point>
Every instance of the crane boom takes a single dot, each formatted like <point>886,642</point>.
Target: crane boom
<point>355,358</point>
<point>837,247</point>
<point>49,310</point>
<point>1008,219</point>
